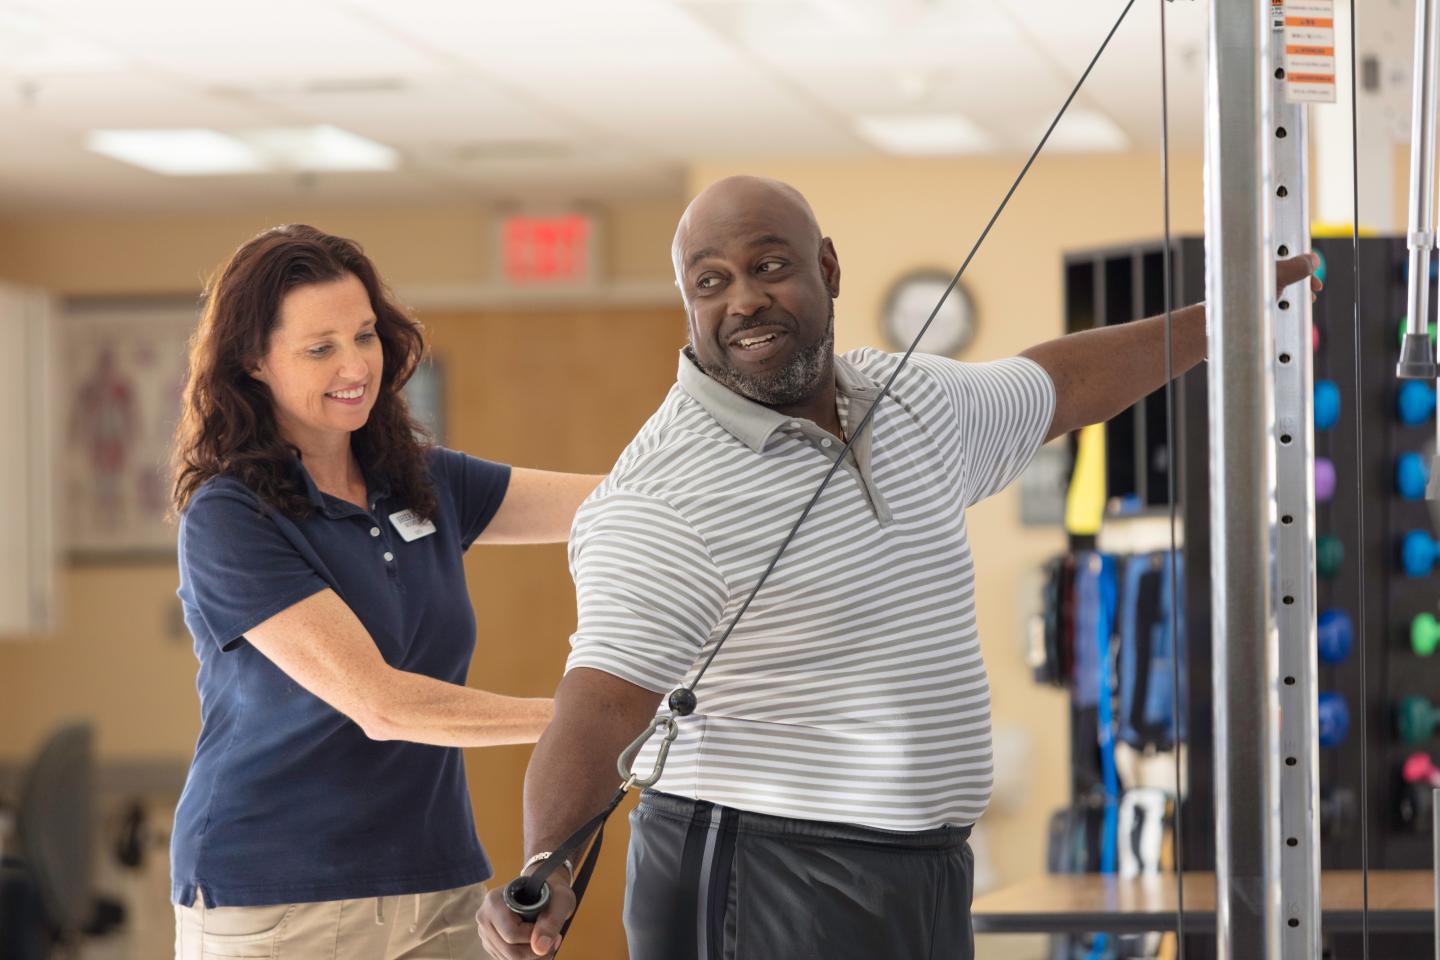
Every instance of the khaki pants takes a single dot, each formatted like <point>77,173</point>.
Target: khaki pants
<point>426,926</point>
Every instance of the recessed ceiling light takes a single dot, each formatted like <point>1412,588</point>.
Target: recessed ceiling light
<point>177,153</point>
<point>199,152</point>
<point>920,134</point>
<point>1085,131</point>
<point>320,149</point>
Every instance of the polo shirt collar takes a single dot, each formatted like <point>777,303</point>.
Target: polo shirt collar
<point>753,423</point>
<point>376,489</point>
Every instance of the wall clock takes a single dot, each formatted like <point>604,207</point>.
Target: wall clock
<point>909,303</point>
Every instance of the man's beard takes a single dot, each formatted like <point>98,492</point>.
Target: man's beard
<point>797,381</point>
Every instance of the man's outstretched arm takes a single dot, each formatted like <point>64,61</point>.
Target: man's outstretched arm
<point>1100,373</point>
<point>571,777</point>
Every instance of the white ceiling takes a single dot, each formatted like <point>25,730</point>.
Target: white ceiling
<point>565,98</point>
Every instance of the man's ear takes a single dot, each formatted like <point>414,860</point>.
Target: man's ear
<point>830,266</point>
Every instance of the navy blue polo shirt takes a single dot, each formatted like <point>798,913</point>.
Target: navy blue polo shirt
<point>287,800</point>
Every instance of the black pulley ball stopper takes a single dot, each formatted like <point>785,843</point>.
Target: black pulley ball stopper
<point>524,900</point>
<point>682,702</point>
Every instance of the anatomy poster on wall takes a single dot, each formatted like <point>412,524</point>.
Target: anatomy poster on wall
<point>122,366</point>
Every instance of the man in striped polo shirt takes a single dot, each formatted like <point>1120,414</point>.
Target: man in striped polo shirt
<point>817,803</point>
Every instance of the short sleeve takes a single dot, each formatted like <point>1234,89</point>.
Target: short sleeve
<point>648,593</point>
<point>478,487</point>
<point>1004,409</point>
<point>237,567</point>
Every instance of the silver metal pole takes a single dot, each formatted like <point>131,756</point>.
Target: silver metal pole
<point>1417,359</point>
<point>1297,691</point>
<point>1435,862</point>
<point>1240,286</point>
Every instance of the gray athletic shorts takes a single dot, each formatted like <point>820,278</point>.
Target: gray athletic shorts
<point>706,882</point>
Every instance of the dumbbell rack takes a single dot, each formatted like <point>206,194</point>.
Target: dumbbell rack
<point>1115,285</point>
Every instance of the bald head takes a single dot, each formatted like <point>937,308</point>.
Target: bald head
<point>759,283</point>
<point>729,207</point>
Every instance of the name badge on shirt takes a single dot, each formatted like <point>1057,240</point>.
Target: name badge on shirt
<point>410,526</point>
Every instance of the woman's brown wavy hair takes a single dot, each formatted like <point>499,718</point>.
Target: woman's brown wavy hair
<point>227,426</point>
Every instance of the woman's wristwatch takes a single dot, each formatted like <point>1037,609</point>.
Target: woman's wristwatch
<point>546,855</point>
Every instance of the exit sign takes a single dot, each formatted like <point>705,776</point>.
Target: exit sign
<point>548,250</point>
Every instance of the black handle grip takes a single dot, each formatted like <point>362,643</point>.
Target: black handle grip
<point>524,900</point>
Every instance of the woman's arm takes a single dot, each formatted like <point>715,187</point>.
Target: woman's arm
<point>321,645</point>
<point>539,506</point>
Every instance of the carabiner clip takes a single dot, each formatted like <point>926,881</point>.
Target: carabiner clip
<point>627,757</point>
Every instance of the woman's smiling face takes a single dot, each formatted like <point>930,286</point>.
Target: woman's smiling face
<point>324,362</point>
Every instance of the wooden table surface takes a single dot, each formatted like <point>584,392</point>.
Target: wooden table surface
<point>1400,900</point>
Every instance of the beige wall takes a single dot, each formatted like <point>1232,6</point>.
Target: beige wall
<point>129,253</point>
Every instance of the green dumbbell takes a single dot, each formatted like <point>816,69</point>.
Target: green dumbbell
<point>1424,634</point>
<point>1329,557</point>
<point>1415,719</point>
<point>1405,327</point>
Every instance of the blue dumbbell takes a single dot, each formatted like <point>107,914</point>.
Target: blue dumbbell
<point>1320,268</point>
<point>1327,404</point>
<point>1418,553</point>
<point>1411,475</point>
<point>1333,718</point>
<point>1414,403</point>
<point>1334,635</point>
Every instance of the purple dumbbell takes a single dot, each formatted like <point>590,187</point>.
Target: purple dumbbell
<point>1324,480</point>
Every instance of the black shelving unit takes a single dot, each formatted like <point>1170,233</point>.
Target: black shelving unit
<point>1120,284</point>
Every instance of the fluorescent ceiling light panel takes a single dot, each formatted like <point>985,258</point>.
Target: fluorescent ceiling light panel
<point>196,153</point>
<point>924,134</point>
<point>321,149</point>
<point>177,153</point>
<point>1084,131</point>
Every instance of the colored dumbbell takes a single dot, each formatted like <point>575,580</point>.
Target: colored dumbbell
<point>1411,475</point>
<point>1334,635</point>
<point>1324,480</point>
<point>1424,634</point>
<point>1333,718</point>
<point>1415,719</point>
<point>1314,338</point>
<point>1418,777</point>
<point>1329,556</point>
<point>1327,404</point>
<point>1419,768</point>
<point>1418,553</point>
<point>1405,328</point>
<point>1405,270</point>
<point>1415,402</point>
<point>1320,267</point>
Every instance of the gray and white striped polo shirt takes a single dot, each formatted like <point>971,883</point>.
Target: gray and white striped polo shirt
<point>853,689</point>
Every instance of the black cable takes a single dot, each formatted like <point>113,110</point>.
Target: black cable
<point>1178,699</point>
<point>1360,495</point>
<point>684,696</point>
<point>527,895</point>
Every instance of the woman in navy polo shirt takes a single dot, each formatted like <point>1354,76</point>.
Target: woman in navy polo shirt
<point>326,813</point>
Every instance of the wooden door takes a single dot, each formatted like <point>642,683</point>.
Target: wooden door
<point>560,391</point>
